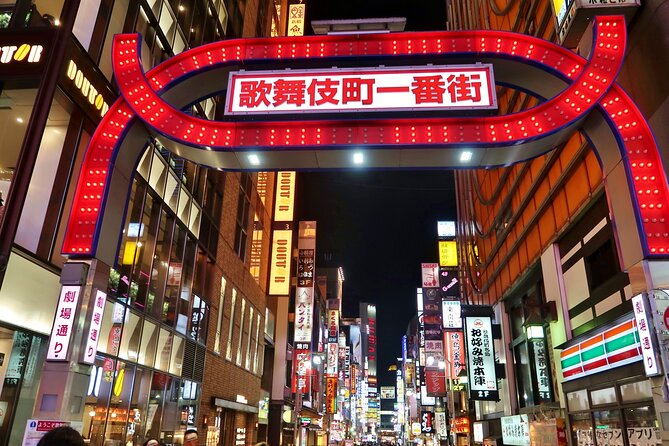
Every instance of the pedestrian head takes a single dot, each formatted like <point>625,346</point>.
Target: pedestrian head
<point>151,442</point>
<point>190,437</point>
<point>62,436</point>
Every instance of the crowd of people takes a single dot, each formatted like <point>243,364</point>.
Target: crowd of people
<point>67,436</point>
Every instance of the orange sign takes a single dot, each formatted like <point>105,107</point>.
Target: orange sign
<point>331,394</point>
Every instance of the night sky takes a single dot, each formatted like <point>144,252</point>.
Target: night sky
<point>379,226</point>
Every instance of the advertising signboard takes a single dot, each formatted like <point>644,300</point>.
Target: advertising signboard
<point>481,358</point>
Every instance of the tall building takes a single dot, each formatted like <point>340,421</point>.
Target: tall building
<point>548,244</point>
<point>184,284</point>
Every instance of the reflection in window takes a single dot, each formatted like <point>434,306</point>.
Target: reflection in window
<point>110,330</point>
<point>164,350</point>
<point>243,207</point>
<point>173,288</point>
<point>603,396</point>
<point>97,398</point>
<point>257,340</point>
<point>241,333</point>
<point>247,363</point>
<point>228,347</point>
<point>177,355</point>
<point>130,339</point>
<point>147,349</point>
<point>219,320</point>
<point>636,391</point>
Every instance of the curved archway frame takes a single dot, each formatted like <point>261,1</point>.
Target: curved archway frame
<point>582,95</point>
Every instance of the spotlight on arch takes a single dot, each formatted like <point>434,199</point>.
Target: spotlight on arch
<point>466,156</point>
<point>358,158</point>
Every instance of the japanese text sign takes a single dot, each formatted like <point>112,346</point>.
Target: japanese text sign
<point>332,358</point>
<point>304,302</point>
<point>516,430</point>
<point>368,89</point>
<point>430,274</point>
<point>448,253</point>
<point>88,355</point>
<point>455,353</point>
<point>541,371</point>
<point>331,394</point>
<point>450,314</point>
<point>644,329</point>
<point>61,332</point>
<point>481,359</point>
<point>296,14</point>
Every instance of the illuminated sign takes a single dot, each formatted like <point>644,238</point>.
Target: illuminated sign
<point>461,425</point>
<point>614,347</point>
<point>364,89</point>
<point>450,314</point>
<point>61,332</point>
<point>24,51</point>
<point>285,196</point>
<point>481,358</point>
<point>516,430</point>
<point>304,294</point>
<point>435,382</point>
<point>86,88</point>
<point>331,394</point>
<point>446,229</point>
<point>387,392</point>
<point>541,371</point>
<point>279,275</point>
<point>448,253</point>
<point>644,328</point>
<point>572,16</point>
<point>430,274</point>
<point>94,327</point>
<point>296,13</point>
<point>449,285</point>
<point>333,358</point>
<point>333,325</point>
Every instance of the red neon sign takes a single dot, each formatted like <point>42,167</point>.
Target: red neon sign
<point>590,85</point>
<point>370,89</point>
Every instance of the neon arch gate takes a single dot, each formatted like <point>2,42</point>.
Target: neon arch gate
<point>582,94</point>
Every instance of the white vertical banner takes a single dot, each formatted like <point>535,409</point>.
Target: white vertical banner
<point>91,341</point>
<point>642,324</point>
<point>440,424</point>
<point>61,333</point>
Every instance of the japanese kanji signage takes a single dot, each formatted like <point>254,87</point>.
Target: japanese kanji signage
<point>368,317</point>
<point>332,358</point>
<point>61,332</point>
<point>435,382</point>
<point>331,394</point>
<point>440,424</point>
<point>368,89</point>
<point>426,422</point>
<point>430,274</point>
<point>448,253</point>
<point>455,353</point>
<point>450,314</point>
<point>296,14</point>
<point>645,329</point>
<point>333,325</point>
<point>304,293</point>
<point>541,370</point>
<point>516,430</point>
<point>481,359</point>
<point>88,355</point>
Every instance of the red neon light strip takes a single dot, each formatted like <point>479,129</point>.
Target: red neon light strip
<point>592,82</point>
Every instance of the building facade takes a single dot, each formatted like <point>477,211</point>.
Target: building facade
<point>543,242</point>
<point>187,287</point>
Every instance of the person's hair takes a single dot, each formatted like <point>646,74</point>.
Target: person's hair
<point>191,431</point>
<point>62,436</point>
<point>149,440</point>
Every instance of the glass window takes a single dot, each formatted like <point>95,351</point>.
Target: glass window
<point>199,320</point>
<point>577,400</point>
<point>157,397</point>
<point>141,290</point>
<point>642,426</point>
<point>219,319</point>
<point>243,207</point>
<point>130,339</point>
<point>97,399</point>
<point>137,413</point>
<point>636,391</point>
<point>581,429</point>
<point>39,195</point>
<point>523,375</point>
<point>173,288</point>
<point>228,348</point>
<point>115,432</point>
<point>608,424</point>
<point>160,264</point>
<point>110,330</point>
<point>164,350</point>
<point>257,340</point>
<point>241,333</point>
<point>603,396</point>
<point>247,363</point>
<point>177,355</point>
<point>147,349</point>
